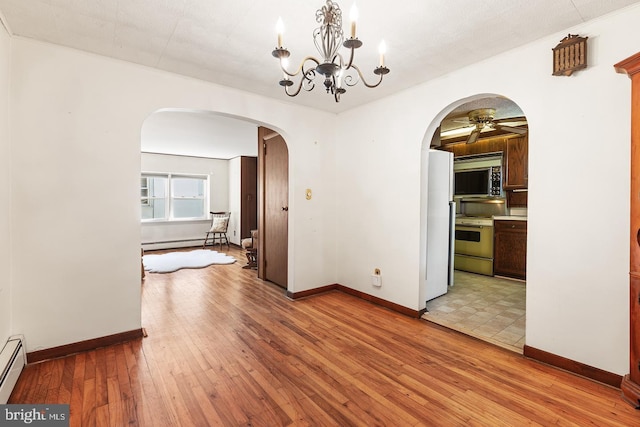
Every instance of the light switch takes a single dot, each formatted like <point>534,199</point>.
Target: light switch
<point>308,194</point>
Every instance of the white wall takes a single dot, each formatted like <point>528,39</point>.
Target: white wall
<point>76,123</point>
<point>5,190</point>
<point>577,263</point>
<point>182,232</point>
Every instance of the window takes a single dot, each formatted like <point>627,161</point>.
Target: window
<point>171,197</point>
<point>153,197</point>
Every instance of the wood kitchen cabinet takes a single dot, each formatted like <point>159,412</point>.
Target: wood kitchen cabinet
<point>517,198</point>
<point>516,163</point>
<point>510,248</point>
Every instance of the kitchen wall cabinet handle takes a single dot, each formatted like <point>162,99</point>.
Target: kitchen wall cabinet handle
<point>285,208</point>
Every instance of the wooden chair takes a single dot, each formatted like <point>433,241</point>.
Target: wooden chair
<point>218,230</point>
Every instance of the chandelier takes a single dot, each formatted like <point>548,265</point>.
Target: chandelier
<point>328,38</point>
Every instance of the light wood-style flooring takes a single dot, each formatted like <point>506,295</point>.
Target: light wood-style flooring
<point>226,349</point>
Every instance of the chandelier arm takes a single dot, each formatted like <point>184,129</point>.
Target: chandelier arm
<point>340,62</point>
<point>351,55</point>
<point>355,67</point>
<point>308,76</point>
<point>286,89</point>
<point>300,67</point>
<point>350,81</point>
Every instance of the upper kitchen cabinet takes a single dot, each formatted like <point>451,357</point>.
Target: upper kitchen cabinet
<point>516,168</point>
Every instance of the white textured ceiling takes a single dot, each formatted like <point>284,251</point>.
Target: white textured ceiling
<point>230,42</point>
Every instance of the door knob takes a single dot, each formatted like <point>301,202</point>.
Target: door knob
<point>285,208</point>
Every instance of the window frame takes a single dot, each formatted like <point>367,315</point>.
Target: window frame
<point>169,197</point>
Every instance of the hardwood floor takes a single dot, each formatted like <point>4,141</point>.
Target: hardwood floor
<point>224,348</point>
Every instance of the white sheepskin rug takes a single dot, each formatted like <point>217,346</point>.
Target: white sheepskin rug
<point>173,261</point>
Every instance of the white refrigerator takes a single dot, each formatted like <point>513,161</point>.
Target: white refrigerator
<point>441,213</point>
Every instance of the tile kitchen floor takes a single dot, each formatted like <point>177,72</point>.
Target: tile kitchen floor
<point>488,308</point>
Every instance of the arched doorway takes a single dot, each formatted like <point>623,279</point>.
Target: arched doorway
<point>487,136</point>
<point>196,143</point>
<point>212,145</point>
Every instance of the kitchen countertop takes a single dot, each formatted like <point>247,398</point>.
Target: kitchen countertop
<point>509,218</point>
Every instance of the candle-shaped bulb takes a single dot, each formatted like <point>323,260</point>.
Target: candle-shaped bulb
<point>279,30</point>
<point>353,16</point>
<point>382,49</point>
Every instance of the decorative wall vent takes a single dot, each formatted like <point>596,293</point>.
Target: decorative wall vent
<point>570,55</point>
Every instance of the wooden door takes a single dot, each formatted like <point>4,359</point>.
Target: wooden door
<point>273,165</point>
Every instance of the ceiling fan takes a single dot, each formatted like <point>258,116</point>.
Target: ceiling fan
<point>484,118</point>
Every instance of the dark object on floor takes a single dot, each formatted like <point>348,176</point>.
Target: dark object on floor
<point>250,244</point>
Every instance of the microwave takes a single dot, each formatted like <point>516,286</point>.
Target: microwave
<point>478,177</point>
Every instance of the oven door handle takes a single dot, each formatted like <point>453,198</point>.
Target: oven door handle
<point>470,226</point>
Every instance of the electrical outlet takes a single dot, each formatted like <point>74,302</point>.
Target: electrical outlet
<point>376,280</point>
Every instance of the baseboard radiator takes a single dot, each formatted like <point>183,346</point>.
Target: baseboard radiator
<point>12,359</point>
<point>173,244</point>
